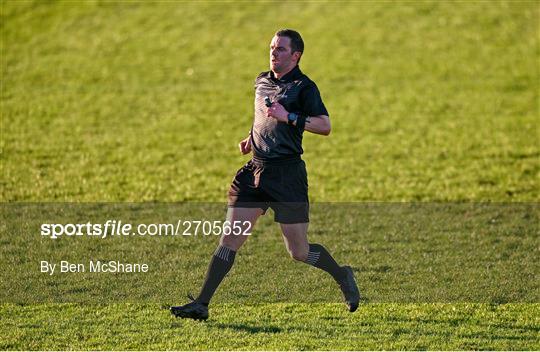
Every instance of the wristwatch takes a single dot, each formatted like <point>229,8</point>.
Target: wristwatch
<point>292,117</point>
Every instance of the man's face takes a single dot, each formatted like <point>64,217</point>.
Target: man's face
<point>281,57</point>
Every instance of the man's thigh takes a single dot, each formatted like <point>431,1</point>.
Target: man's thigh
<point>242,219</point>
<point>286,186</point>
<point>244,191</point>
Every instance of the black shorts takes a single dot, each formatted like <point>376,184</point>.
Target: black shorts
<point>279,185</point>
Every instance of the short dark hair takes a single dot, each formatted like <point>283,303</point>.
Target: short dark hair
<point>297,44</point>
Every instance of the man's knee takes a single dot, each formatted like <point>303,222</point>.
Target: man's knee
<point>297,254</point>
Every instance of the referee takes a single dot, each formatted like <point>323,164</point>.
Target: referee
<point>287,103</point>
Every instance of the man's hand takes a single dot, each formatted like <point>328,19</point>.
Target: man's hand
<point>245,145</point>
<point>278,112</point>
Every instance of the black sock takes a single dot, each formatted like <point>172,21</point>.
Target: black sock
<point>319,257</point>
<point>221,263</point>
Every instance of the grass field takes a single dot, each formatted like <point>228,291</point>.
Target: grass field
<point>432,102</point>
<point>275,326</point>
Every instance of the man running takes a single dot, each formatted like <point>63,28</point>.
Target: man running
<point>287,103</point>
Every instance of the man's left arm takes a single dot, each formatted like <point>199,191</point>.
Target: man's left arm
<point>319,124</point>
<point>314,117</point>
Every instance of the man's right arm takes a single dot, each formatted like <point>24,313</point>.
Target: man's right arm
<point>245,145</point>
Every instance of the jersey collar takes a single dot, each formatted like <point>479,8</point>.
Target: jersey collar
<point>295,73</point>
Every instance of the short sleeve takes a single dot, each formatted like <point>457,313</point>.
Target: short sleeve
<point>311,101</point>
<point>258,79</point>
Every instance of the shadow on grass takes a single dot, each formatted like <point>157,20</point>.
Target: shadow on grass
<point>249,328</point>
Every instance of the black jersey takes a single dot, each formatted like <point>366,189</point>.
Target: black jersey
<point>273,140</point>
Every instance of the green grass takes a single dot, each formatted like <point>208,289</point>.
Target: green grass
<point>138,102</point>
<point>401,253</point>
<point>274,326</point>
<point>428,100</point>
